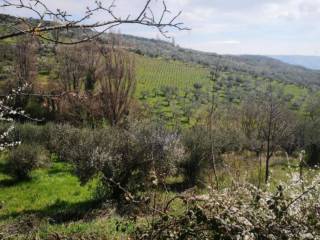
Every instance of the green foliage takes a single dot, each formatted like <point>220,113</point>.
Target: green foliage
<point>122,158</point>
<point>31,134</point>
<point>198,145</point>
<point>308,131</point>
<point>25,158</point>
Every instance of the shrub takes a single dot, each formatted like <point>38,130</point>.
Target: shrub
<point>31,134</point>
<point>138,158</point>
<point>25,158</point>
<point>63,138</point>
<point>204,148</point>
<point>242,212</point>
<point>134,158</point>
<point>198,147</point>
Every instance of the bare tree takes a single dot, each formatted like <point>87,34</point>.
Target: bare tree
<point>251,126</point>
<point>25,61</point>
<point>266,123</point>
<point>117,82</point>
<point>276,125</point>
<point>214,76</point>
<point>91,63</point>
<point>70,70</point>
<point>64,21</point>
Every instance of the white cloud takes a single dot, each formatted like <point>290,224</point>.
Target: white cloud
<point>245,26</point>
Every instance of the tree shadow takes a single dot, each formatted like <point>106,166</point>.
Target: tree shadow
<point>60,212</point>
<point>3,168</point>
<point>10,182</point>
<point>178,187</point>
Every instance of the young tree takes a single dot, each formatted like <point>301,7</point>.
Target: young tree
<point>276,125</point>
<point>118,83</point>
<point>70,70</point>
<point>91,63</point>
<point>266,123</point>
<point>25,61</point>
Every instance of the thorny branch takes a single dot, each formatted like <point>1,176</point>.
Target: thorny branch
<point>64,21</point>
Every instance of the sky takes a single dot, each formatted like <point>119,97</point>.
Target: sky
<point>264,27</point>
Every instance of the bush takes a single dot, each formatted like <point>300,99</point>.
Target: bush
<point>31,134</point>
<point>198,147</point>
<point>203,147</point>
<point>242,212</point>
<point>63,140</point>
<point>134,158</point>
<point>25,158</point>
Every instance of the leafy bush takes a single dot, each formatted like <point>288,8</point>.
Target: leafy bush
<point>131,159</point>
<point>198,146</point>
<point>25,158</point>
<point>204,148</point>
<point>31,134</point>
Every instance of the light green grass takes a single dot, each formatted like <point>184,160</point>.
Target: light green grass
<point>153,73</point>
<point>55,196</point>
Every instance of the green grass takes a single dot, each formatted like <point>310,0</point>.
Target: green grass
<point>58,201</point>
<point>153,73</point>
<point>53,201</point>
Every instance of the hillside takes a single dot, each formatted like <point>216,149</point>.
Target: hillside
<point>311,62</point>
<point>123,137</point>
<point>254,65</point>
<point>261,66</point>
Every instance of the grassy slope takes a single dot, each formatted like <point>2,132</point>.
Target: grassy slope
<point>152,73</point>
<point>155,73</point>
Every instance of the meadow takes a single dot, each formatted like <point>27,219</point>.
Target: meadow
<point>54,204</point>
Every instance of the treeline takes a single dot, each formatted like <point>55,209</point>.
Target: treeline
<point>261,125</point>
<point>95,84</point>
<point>88,82</point>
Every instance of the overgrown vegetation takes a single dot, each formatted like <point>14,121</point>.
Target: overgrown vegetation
<point>102,140</point>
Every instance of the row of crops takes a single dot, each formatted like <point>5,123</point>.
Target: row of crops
<point>178,91</point>
<point>152,73</point>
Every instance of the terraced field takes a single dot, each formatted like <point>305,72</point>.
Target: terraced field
<point>153,73</point>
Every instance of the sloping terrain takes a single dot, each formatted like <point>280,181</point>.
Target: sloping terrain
<point>311,62</point>
<point>261,66</point>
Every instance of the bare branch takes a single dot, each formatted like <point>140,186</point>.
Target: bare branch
<point>65,22</point>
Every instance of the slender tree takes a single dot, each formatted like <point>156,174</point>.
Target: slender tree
<point>25,61</point>
<point>70,71</point>
<point>118,83</point>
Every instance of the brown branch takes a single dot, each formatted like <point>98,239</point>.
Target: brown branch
<point>313,188</point>
<point>145,18</point>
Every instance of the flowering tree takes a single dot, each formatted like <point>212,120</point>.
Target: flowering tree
<point>8,114</point>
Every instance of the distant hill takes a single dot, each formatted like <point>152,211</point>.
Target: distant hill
<point>262,66</point>
<point>256,66</point>
<point>311,62</point>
